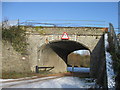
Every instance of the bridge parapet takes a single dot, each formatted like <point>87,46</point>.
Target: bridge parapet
<point>69,30</point>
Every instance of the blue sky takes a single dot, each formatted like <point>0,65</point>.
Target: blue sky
<point>100,11</point>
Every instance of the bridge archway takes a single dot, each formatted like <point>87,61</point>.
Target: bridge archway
<point>55,53</point>
<point>64,47</point>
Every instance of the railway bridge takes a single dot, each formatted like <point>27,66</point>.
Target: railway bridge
<point>49,50</point>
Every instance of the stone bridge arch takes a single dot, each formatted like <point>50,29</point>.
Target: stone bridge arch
<point>55,53</point>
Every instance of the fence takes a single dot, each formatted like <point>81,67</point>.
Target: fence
<point>66,23</point>
<point>59,23</point>
<point>113,37</point>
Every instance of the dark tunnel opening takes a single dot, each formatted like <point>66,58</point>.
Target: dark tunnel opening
<point>64,47</point>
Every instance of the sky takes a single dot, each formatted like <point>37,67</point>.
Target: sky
<point>60,0</point>
<point>98,11</point>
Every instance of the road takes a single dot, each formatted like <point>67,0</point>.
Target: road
<point>51,82</point>
<point>78,79</point>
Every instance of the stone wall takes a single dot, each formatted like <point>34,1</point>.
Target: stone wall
<point>84,35</point>
<point>98,63</point>
<point>36,41</point>
<point>48,58</point>
<point>12,61</point>
<point>69,30</point>
<point>88,41</point>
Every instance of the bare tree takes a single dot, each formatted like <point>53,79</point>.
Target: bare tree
<point>5,23</point>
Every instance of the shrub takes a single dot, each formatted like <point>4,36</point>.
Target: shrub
<point>16,36</point>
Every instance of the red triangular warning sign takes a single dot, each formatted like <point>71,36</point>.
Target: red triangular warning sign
<point>65,36</point>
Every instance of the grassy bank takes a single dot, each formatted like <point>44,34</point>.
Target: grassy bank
<point>15,75</point>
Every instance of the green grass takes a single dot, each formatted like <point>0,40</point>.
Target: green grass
<point>14,75</point>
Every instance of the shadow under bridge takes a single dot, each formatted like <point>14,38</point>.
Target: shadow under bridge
<point>55,53</point>
<point>64,47</point>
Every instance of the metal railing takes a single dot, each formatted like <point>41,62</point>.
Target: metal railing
<point>60,23</point>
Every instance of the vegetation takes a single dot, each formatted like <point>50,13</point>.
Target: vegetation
<point>116,65</point>
<point>39,29</point>
<point>16,36</point>
<point>15,75</point>
<point>79,60</point>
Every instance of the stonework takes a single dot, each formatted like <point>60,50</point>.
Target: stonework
<point>88,37</point>
<point>48,58</point>
<point>12,61</point>
<point>69,30</point>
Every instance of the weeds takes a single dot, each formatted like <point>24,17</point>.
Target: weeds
<point>16,36</point>
<point>14,75</point>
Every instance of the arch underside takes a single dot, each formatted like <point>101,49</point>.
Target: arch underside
<point>64,47</point>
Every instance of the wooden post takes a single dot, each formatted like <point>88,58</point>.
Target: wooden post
<point>18,23</point>
<point>72,68</point>
<point>37,71</point>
